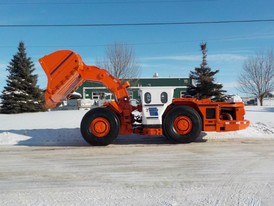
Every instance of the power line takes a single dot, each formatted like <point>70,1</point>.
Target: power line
<point>140,24</point>
<point>103,2</point>
<point>233,38</point>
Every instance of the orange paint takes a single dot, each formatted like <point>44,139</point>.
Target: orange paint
<point>100,127</point>
<point>66,71</point>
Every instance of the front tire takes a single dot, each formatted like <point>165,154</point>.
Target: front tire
<point>100,126</point>
<point>182,124</point>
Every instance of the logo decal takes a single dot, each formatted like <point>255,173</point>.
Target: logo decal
<point>153,111</point>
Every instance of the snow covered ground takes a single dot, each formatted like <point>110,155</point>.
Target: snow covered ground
<point>45,161</point>
<point>61,128</point>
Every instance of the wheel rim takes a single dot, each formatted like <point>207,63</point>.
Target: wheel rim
<point>182,125</point>
<point>100,127</point>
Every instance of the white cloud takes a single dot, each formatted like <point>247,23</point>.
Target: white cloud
<point>177,58</point>
<point>144,65</point>
<point>2,65</point>
<point>211,57</point>
<point>226,57</point>
<point>230,85</point>
<point>3,72</point>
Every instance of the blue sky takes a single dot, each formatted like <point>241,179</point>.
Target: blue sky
<point>169,50</point>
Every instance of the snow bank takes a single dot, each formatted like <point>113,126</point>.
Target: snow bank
<point>61,128</point>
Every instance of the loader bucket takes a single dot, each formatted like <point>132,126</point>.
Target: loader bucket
<point>61,68</point>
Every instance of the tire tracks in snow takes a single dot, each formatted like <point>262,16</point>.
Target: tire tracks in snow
<point>237,189</point>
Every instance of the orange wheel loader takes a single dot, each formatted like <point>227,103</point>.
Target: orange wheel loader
<point>179,119</point>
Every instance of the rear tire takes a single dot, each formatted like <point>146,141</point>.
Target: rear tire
<point>100,126</point>
<point>182,124</point>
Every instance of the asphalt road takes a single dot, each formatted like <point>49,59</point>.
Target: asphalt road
<point>215,172</point>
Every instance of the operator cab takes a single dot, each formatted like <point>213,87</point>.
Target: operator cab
<point>154,101</point>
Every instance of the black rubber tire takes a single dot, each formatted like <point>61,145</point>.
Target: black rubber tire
<point>107,114</point>
<point>171,133</point>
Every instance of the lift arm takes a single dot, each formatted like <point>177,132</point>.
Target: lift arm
<point>66,72</point>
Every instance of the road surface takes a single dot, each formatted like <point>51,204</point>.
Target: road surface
<point>214,172</point>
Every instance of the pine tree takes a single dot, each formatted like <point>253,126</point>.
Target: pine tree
<point>21,94</point>
<point>204,78</point>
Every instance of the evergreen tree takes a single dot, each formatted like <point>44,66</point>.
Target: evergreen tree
<point>205,87</point>
<point>21,94</point>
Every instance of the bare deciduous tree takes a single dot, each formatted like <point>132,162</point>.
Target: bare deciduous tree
<point>257,77</point>
<point>120,61</point>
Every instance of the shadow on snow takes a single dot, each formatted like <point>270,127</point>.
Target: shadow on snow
<point>73,137</point>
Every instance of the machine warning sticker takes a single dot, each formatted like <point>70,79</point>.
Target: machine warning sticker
<point>153,111</point>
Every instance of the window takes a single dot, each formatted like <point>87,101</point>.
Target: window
<point>130,94</point>
<point>147,97</point>
<point>164,97</point>
<point>182,93</point>
<point>95,95</point>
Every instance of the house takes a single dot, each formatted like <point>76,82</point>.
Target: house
<point>96,91</point>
